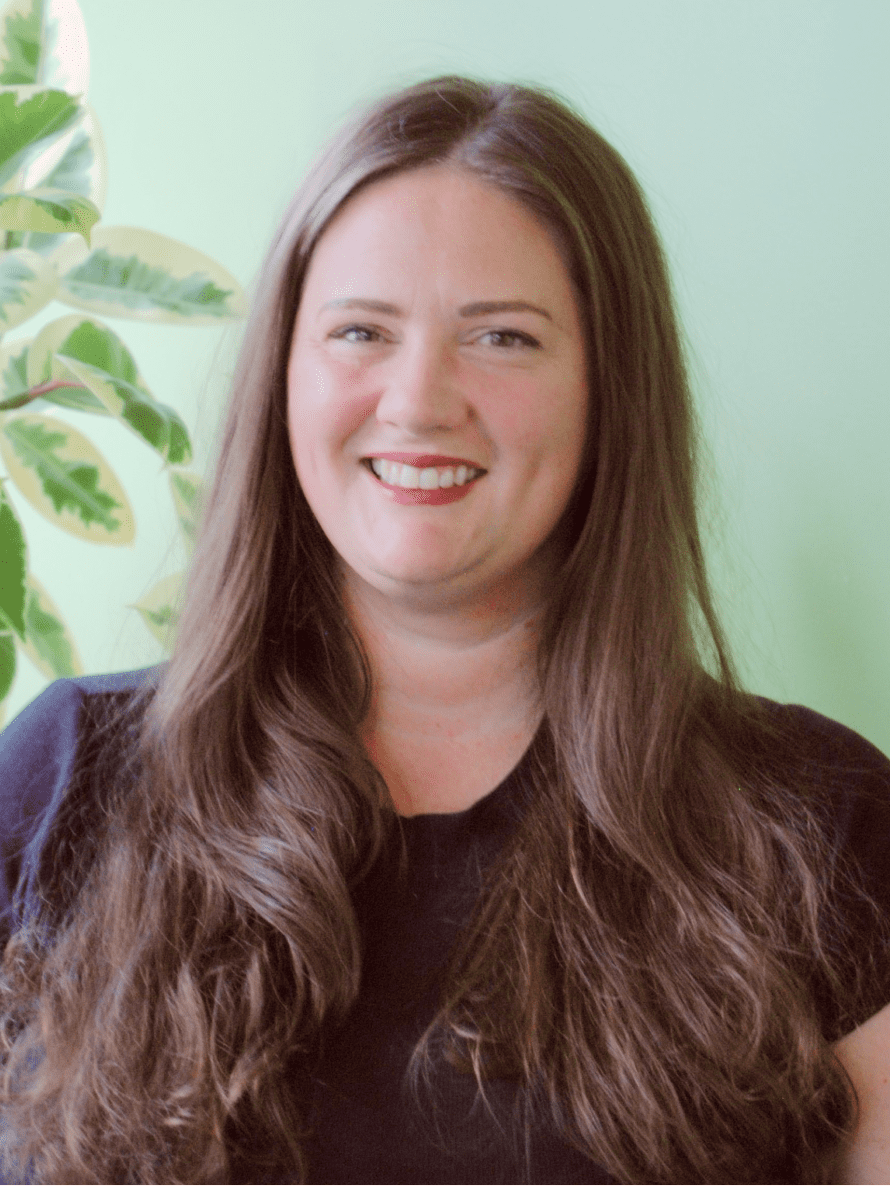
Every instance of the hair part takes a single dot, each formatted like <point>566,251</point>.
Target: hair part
<point>655,1011</point>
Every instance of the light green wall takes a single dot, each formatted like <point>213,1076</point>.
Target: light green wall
<point>760,131</point>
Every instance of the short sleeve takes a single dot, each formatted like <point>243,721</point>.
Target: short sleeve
<point>854,777</point>
<point>37,754</point>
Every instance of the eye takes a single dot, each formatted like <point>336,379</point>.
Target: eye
<point>357,333</point>
<point>510,339</point>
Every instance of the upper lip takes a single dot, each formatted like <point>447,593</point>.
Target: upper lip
<point>423,459</point>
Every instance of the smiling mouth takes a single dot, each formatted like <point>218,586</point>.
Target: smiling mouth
<point>412,477</point>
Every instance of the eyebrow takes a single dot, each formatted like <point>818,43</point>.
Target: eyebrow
<point>476,309</point>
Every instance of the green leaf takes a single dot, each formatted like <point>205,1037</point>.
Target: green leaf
<point>74,171</point>
<point>65,396</point>
<point>44,370</point>
<point>95,356</point>
<point>140,287</point>
<point>186,487</point>
<point>154,422</point>
<point>52,211</point>
<point>14,369</point>
<point>132,272</point>
<point>44,41</point>
<point>20,56</point>
<point>7,664</point>
<point>76,163</point>
<point>28,118</point>
<point>67,484</point>
<point>80,169</point>
<point>16,386</point>
<point>159,608</point>
<point>27,283</point>
<point>13,567</point>
<point>48,642</point>
<point>15,275</point>
<point>66,479</point>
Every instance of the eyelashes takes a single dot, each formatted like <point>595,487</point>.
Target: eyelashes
<point>505,339</point>
<point>516,335</point>
<point>342,335</point>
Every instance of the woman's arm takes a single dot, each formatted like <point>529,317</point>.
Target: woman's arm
<point>865,1055</point>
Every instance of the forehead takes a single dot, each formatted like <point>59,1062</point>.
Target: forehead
<point>443,225</point>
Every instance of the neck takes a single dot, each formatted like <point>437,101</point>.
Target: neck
<point>456,685</point>
<point>448,660</point>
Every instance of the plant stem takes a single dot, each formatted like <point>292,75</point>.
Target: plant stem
<point>26,397</point>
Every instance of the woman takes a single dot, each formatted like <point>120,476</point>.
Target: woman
<point>447,848</point>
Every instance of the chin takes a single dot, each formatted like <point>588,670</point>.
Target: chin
<point>415,575</point>
<point>391,577</point>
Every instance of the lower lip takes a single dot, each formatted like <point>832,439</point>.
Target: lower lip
<point>429,498</point>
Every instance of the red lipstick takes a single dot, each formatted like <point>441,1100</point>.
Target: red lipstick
<point>425,459</point>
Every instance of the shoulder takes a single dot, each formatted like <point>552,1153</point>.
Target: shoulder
<point>828,742</point>
<point>37,748</point>
<point>39,751</point>
<point>849,780</point>
<point>854,776</point>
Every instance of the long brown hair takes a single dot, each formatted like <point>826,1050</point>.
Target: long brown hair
<point>659,1010</point>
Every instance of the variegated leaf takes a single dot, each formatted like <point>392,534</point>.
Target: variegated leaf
<point>186,487</point>
<point>14,373</point>
<point>66,479</point>
<point>132,272</point>
<point>48,642</point>
<point>29,118</point>
<point>17,392</point>
<point>97,358</point>
<point>27,283</point>
<point>135,407</point>
<point>46,371</point>
<point>53,211</point>
<point>159,608</point>
<point>20,30</point>
<point>13,568</point>
<point>44,42</point>
<point>7,669</point>
<point>77,164</point>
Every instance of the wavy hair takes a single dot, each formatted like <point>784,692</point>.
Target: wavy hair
<point>663,1014</point>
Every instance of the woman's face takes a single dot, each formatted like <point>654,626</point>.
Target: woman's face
<point>437,392</point>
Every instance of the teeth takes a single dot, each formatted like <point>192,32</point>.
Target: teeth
<point>410,477</point>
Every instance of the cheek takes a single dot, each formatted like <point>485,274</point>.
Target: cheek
<point>307,427</point>
<point>551,439</point>
<point>308,388</point>
<point>325,406</point>
<point>570,405</point>
<point>549,430</point>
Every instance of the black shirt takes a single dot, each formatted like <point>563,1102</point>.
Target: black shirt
<point>367,1125</point>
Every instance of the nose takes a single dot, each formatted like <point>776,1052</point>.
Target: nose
<point>421,390</point>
